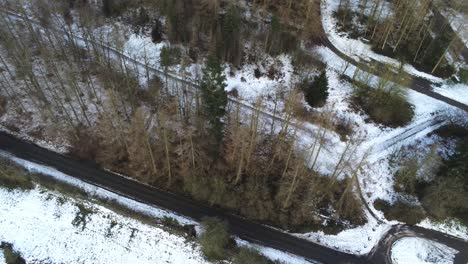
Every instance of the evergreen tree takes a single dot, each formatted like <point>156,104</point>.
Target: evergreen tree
<point>214,96</point>
<point>316,93</point>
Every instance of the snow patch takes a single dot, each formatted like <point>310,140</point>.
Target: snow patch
<point>451,227</point>
<point>273,254</point>
<point>420,251</point>
<point>42,227</point>
<point>457,92</point>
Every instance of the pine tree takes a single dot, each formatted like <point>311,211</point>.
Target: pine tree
<point>214,96</point>
<point>316,93</point>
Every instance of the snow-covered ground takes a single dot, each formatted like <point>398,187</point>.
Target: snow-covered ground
<point>457,92</point>
<point>44,227</point>
<point>358,240</point>
<point>273,253</point>
<point>452,227</point>
<point>421,251</point>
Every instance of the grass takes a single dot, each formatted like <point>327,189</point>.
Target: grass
<point>463,76</point>
<point>401,211</point>
<point>384,105</point>
<point>82,216</point>
<point>11,177</point>
<point>251,256</point>
<point>215,241</point>
<point>10,255</point>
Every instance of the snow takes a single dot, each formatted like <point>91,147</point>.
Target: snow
<point>250,88</point>
<point>457,92</point>
<point>2,257</point>
<point>39,224</point>
<point>273,254</point>
<point>359,240</point>
<point>419,251</point>
<point>451,227</point>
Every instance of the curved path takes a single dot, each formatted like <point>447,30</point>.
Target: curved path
<point>382,252</point>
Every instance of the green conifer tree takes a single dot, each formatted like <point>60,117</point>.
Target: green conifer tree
<point>316,93</point>
<point>214,96</point>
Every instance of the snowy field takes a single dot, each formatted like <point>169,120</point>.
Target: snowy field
<point>421,251</point>
<point>48,227</point>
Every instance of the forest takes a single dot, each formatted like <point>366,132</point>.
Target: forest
<point>177,128</point>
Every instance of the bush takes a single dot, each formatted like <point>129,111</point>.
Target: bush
<point>406,176</point>
<point>10,255</point>
<point>447,196</point>
<point>384,105</point>
<point>250,256</point>
<point>316,92</point>
<point>401,211</point>
<point>3,104</point>
<point>157,32</point>
<point>215,240</point>
<point>463,75</point>
<point>114,7</point>
<point>170,56</point>
<point>12,177</point>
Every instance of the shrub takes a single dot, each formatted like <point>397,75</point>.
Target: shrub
<point>84,143</point>
<point>448,194</point>
<point>3,104</point>
<point>114,7</point>
<point>406,176</point>
<point>10,255</point>
<point>215,240</point>
<point>464,75</point>
<point>384,105</point>
<point>170,56</point>
<point>12,177</point>
<point>401,211</point>
<point>157,32</point>
<point>250,256</point>
<point>316,92</point>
